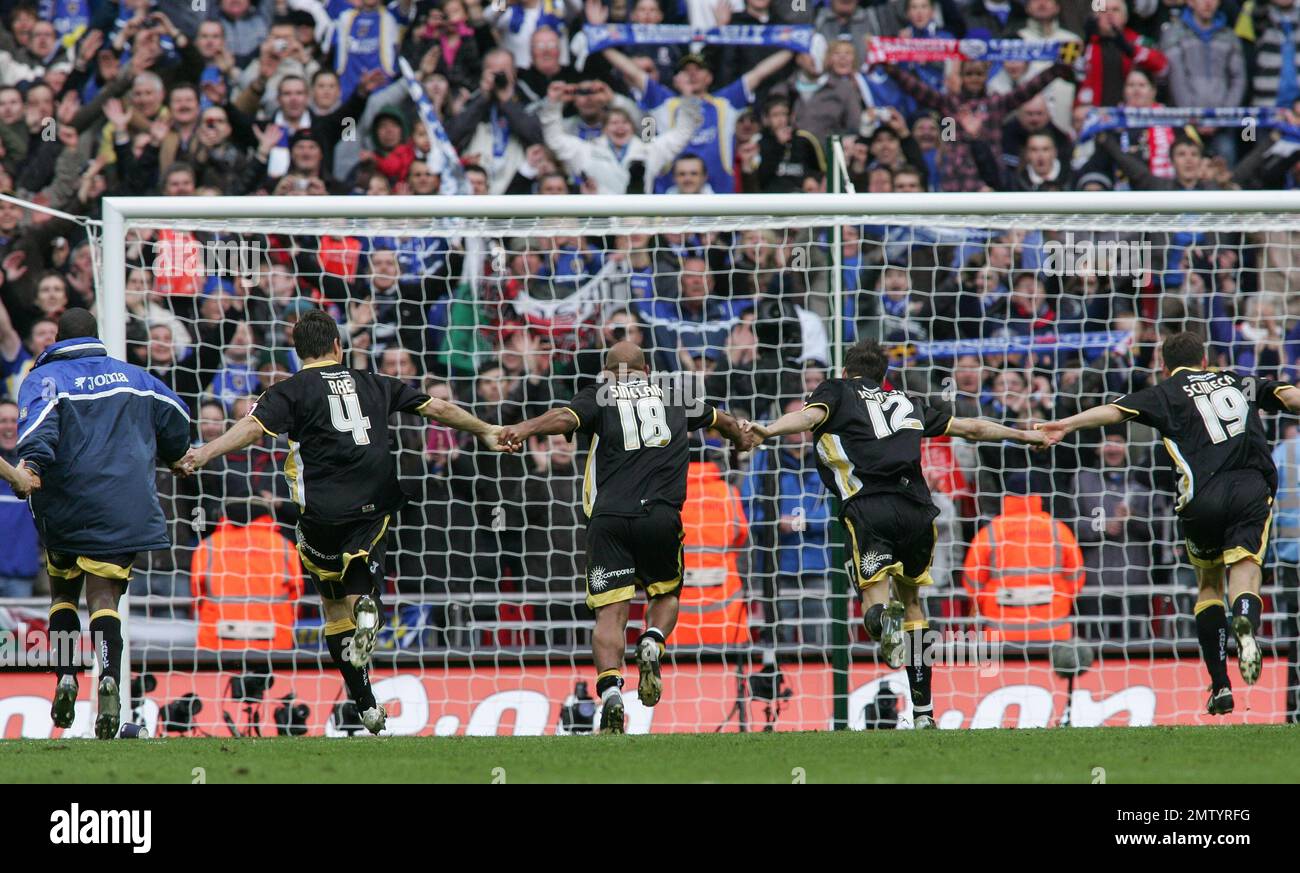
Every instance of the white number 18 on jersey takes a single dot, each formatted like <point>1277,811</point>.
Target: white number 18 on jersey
<point>653,430</point>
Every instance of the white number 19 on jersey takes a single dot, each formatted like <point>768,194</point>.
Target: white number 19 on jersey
<point>1224,411</point>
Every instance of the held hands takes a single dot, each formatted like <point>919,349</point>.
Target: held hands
<point>754,433</point>
<point>1052,431</point>
<point>26,481</point>
<point>1036,440</point>
<point>188,465</point>
<point>510,440</point>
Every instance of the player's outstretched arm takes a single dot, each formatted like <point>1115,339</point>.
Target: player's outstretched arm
<point>1098,416</point>
<point>980,430</point>
<point>452,415</point>
<point>792,422</point>
<point>1290,397</point>
<point>558,420</point>
<point>243,434</point>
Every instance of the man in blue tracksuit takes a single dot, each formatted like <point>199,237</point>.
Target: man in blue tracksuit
<point>785,495</point>
<point>90,429</point>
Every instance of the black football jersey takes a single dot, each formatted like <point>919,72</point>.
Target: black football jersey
<point>1210,424</point>
<point>870,440</point>
<point>341,466</point>
<point>640,445</point>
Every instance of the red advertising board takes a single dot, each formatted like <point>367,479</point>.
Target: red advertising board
<point>700,697</point>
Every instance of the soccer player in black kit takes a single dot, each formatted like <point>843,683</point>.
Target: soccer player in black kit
<point>343,477</point>
<point>1226,483</point>
<point>869,456</point>
<point>633,490</point>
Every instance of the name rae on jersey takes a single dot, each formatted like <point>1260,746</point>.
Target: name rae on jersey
<point>76,826</point>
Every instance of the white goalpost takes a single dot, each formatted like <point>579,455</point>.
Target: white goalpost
<point>1017,307</point>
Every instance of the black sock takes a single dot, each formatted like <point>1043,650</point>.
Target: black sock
<point>64,639</point>
<point>1250,607</point>
<point>919,669</point>
<point>106,634</point>
<point>1212,631</point>
<point>608,679</point>
<point>358,681</point>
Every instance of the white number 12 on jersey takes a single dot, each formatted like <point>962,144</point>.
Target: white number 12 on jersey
<point>901,419</point>
<point>345,415</point>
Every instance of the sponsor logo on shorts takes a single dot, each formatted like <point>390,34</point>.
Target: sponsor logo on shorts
<point>598,577</point>
<point>307,547</point>
<point>871,562</point>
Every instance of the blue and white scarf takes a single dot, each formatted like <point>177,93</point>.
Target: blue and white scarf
<point>595,38</point>
<point>442,159</point>
<point>1122,118</point>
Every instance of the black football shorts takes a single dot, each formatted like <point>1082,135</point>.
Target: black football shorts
<point>626,552</point>
<point>68,566</point>
<point>889,535</point>
<point>1228,520</point>
<point>344,559</point>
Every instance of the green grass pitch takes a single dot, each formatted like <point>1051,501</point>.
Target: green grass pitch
<point>1180,754</point>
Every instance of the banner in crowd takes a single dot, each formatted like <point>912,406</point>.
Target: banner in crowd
<point>443,159</point>
<point>580,306</point>
<point>522,701</point>
<point>1104,340</point>
<point>598,37</point>
<point>1243,118</point>
<point>897,49</point>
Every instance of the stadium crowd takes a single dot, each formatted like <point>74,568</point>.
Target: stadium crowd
<point>236,97</point>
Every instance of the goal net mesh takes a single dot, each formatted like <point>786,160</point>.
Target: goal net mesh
<point>1015,318</point>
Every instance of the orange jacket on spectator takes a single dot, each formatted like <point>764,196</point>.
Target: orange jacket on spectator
<point>713,597</point>
<point>1023,571</point>
<point>178,266</point>
<point>340,256</point>
<point>247,581</point>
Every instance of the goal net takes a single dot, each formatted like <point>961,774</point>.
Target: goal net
<point>989,306</point>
